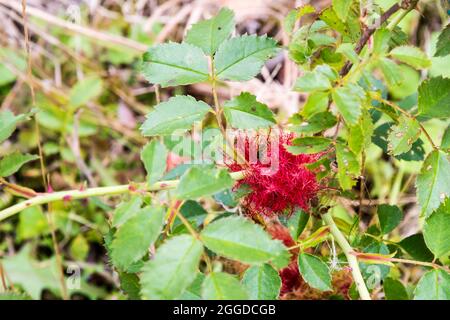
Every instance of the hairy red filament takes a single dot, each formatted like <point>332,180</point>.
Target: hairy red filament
<point>278,180</point>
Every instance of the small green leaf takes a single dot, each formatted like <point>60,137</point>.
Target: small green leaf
<point>241,58</point>
<point>79,248</point>
<point>85,90</point>
<point>394,290</point>
<point>154,157</point>
<point>12,163</point>
<point>443,44</point>
<point>434,285</point>
<point>391,71</point>
<point>308,145</point>
<point>194,291</point>
<point>348,166</point>
<point>222,286</point>
<point>360,136</point>
<point>381,40</point>
<point>172,269</point>
<point>315,272</point>
<point>348,100</point>
<point>350,29</point>
<point>201,181</point>
<point>297,223</point>
<point>134,237</point>
<point>403,135</point>
<point>411,55</point>
<point>245,112</point>
<point>209,34</point>
<point>445,143</point>
<point>436,230</point>
<point>315,103</point>
<point>318,122</point>
<point>173,64</point>
<point>342,8</point>
<point>295,14</point>
<point>389,217</point>
<point>433,182</point>
<point>240,239</point>
<point>8,122</point>
<point>32,223</point>
<point>380,138</point>
<point>415,246</point>
<point>129,283</point>
<point>179,113</point>
<point>349,52</point>
<point>312,81</point>
<point>126,210</point>
<point>262,282</point>
<point>434,98</point>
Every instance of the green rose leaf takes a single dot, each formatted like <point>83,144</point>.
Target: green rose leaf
<point>262,282</point>
<point>434,98</point>
<point>239,239</point>
<point>436,230</point>
<point>8,122</point>
<point>308,145</point>
<point>394,290</point>
<point>434,285</point>
<point>203,180</point>
<point>318,122</point>
<point>415,246</point>
<point>389,217</point>
<point>173,268</point>
<point>173,64</point>
<point>179,113</point>
<point>209,34</point>
<point>12,163</point>
<point>222,286</point>
<point>403,135</point>
<point>348,166</point>
<point>315,103</point>
<point>154,157</point>
<point>391,71</point>
<point>312,81</point>
<point>85,90</point>
<point>433,182</point>
<point>411,55</point>
<point>134,237</point>
<point>342,8</point>
<point>314,271</point>
<point>125,210</point>
<point>245,112</point>
<point>241,58</point>
<point>443,45</point>
<point>348,100</point>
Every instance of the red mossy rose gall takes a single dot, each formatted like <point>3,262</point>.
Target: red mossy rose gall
<point>279,181</point>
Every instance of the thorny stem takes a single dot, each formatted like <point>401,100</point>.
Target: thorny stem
<point>352,260</point>
<point>377,97</point>
<point>69,195</point>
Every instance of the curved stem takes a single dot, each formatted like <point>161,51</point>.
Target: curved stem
<point>70,195</point>
<point>352,260</point>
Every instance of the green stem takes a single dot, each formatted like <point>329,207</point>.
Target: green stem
<point>70,195</point>
<point>352,260</point>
